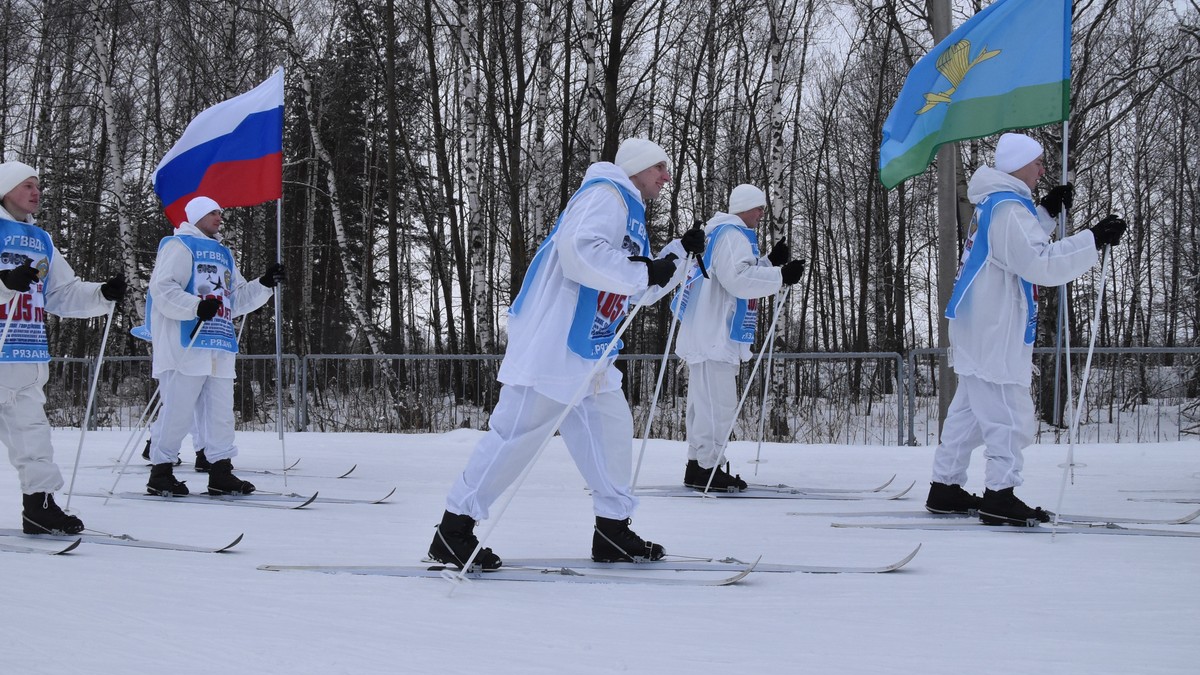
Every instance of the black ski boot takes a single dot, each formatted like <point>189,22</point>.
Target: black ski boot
<point>202,463</point>
<point>613,541</point>
<point>454,541</point>
<point>146,454</point>
<point>162,482</point>
<point>42,516</point>
<point>1002,507</point>
<point>696,476</point>
<point>945,498</point>
<point>221,480</point>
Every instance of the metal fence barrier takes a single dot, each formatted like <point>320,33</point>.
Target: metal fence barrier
<point>1135,394</point>
<point>876,398</point>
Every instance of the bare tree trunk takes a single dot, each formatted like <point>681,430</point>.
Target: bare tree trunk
<point>116,163</point>
<point>395,318</point>
<point>354,297</point>
<point>593,99</point>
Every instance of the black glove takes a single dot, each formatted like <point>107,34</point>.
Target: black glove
<point>792,271</point>
<point>20,278</point>
<point>659,271</point>
<point>1058,198</point>
<point>207,308</point>
<point>1108,232</point>
<point>274,275</point>
<point>693,241</point>
<point>113,290</point>
<point>780,253</point>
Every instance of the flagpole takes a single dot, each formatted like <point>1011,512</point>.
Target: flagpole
<point>279,339</point>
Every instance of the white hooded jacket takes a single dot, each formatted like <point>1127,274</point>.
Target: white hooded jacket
<point>173,304</point>
<point>734,274</point>
<point>587,252</point>
<point>988,336</point>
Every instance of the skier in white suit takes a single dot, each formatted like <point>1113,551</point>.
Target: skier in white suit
<point>574,296</point>
<point>196,289</point>
<point>993,322</point>
<point>35,280</point>
<point>717,324</point>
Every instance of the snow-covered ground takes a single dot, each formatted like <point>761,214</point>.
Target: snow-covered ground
<point>971,602</point>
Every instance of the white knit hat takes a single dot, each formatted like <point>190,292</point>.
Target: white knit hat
<point>745,197</point>
<point>1014,151</point>
<point>200,207</point>
<point>13,174</point>
<point>638,154</point>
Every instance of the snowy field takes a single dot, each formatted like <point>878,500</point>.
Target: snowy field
<point>971,602</point>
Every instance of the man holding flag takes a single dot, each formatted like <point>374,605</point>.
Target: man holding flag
<point>232,152</point>
<point>993,315</point>
<point>1008,67</point>
<point>196,290</point>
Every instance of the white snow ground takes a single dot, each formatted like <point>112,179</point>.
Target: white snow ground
<point>986,602</point>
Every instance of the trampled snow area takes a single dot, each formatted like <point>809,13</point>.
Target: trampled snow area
<point>971,602</point>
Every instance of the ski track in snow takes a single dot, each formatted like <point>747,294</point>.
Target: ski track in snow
<point>968,603</point>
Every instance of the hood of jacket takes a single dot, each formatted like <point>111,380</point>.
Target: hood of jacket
<point>614,173</point>
<point>988,180</point>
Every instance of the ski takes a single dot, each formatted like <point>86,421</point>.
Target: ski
<point>226,500</point>
<point>1167,500</point>
<point>784,486</point>
<point>765,493</point>
<point>707,565</point>
<point>1063,528</point>
<point>1062,518</point>
<point>267,496</point>
<point>290,470</point>
<point>542,574</point>
<point>121,540</point>
<point>9,548</point>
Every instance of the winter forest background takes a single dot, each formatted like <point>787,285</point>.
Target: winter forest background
<point>429,145</point>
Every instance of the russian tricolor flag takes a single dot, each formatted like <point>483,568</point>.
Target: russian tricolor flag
<point>232,152</point>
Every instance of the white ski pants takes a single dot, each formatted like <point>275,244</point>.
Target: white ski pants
<point>24,429</point>
<point>202,401</point>
<point>598,433</point>
<point>997,416</point>
<point>711,402</point>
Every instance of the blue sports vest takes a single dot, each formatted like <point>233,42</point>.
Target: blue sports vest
<point>975,254</point>
<point>597,313</point>
<point>744,323</point>
<point>22,243</point>
<point>212,277</point>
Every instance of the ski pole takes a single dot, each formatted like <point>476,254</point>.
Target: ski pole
<point>762,413</point>
<point>662,369</point>
<point>512,489</point>
<point>87,410</point>
<point>753,371</point>
<point>157,392</point>
<point>1083,382</point>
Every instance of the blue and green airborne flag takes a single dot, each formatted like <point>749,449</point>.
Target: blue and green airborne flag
<point>1007,67</point>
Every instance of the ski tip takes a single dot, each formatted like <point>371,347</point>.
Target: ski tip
<point>1187,519</point>
<point>385,497</point>
<point>231,544</point>
<point>349,472</point>
<point>70,547</point>
<point>310,500</point>
<point>907,559</point>
<point>903,492</point>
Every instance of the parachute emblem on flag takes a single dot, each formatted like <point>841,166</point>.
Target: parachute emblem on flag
<point>953,65</point>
